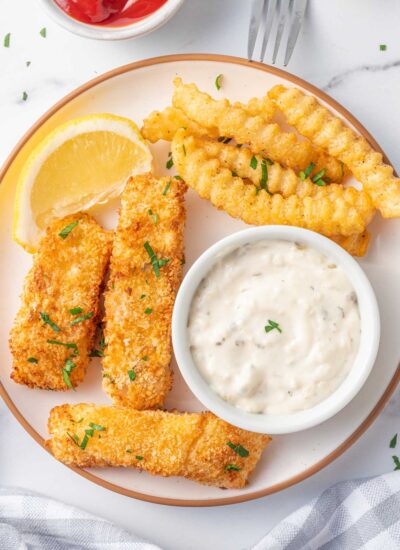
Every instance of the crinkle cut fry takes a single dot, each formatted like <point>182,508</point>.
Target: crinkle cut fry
<point>327,131</point>
<point>163,124</point>
<point>192,445</point>
<point>356,245</point>
<point>66,274</point>
<point>141,292</point>
<point>333,210</point>
<point>262,136</point>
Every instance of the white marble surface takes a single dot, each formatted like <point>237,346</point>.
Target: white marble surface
<point>337,51</point>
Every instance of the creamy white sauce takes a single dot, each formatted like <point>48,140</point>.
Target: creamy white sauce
<point>307,295</point>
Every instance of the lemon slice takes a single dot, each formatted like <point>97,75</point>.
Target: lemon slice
<point>83,162</point>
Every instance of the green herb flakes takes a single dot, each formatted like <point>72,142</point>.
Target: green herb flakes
<point>24,96</point>
<point>218,81</point>
<point>7,40</point>
<point>238,449</point>
<point>154,216</point>
<point>393,442</point>
<point>169,164</point>
<point>32,360</point>
<point>396,461</point>
<point>75,310</point>
<point>167,188</point>
<point>148,311</point>
<point>132,375</point>
<point>84,317</point>
<point>43,32</point>
<point>382,47</point>
<point>271,326</point>
<point>67,229</point>
<point>46,319</point>
<point>156,263</point>
<point>253,162</point>
<point>232,467</point>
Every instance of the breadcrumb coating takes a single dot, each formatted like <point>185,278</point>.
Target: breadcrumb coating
<point>331,210</point>
<point>141,294</point>
<point>67,273</point>
<point>329,132</point>
<point>192,445</point>
<point>262,136</point>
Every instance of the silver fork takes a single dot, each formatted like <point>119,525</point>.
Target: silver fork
<point>275,16</point>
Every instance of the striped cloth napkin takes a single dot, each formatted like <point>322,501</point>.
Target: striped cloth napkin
<point>352,515</point>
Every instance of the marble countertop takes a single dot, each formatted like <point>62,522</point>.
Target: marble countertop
<point>338,51</point>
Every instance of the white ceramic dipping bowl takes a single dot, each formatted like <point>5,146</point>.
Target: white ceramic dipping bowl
<point>139,28</point>
<point>289,423</point>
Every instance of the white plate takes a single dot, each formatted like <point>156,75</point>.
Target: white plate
<point>134,91</point>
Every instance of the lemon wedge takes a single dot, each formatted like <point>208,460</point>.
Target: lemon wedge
<point>84,162</point>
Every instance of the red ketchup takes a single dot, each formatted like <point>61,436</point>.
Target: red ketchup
<point>109,13</point>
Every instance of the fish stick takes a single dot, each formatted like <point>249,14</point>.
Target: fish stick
<point>329,132</point>
<point>163,124</point>
<point>54,330</point>
<point>262,137</point>
<point>145,273</point>
<point>333,210</point>
<point>198,446</point>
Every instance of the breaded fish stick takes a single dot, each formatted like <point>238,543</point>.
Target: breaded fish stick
<point>145,273</point>
<point>332,210</point>
<point>198,446</point>
<point>54,330</point>
<point>329,132</point>
<point>233,121</point>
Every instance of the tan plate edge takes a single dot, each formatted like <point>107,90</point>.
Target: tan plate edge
<point>393,382</point>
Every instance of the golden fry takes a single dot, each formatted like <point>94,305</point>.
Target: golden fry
<point>141,292</point>
<point>262,136</point>
<point>333,210</point>
<point>192,445</point>
<point>67,273</point>
<point>357,245</point>
<point>327,131</point>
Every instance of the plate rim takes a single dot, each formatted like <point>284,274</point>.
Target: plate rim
<point>365,424</point>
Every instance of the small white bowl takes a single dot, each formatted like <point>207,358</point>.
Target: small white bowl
<point>139,28</point>
<point>278,424</point>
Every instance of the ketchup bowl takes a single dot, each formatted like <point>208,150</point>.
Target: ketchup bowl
<point>211,287</point>
<point>111,19</point>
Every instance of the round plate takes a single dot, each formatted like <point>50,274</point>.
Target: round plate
<point>134,91</point>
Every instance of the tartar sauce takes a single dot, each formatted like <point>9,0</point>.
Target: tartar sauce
<point>274,327</point>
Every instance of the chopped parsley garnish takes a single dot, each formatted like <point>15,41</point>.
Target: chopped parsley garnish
<point>84,317</point>
<point>74,438</point>
<point>28,63</point>
<point>234,174</point>
<point>67,229</point>
<point>97,427</point>
<point>43,32</point>
<point>167,188</point>
<point>271,326</point>
<point>89,432</point>
<point>268,161</point>
<point>148,310</point>
<point>169,164</point>
<point>84,442</point>
<point>142,296</point>
<point>218,81</point>
<point>224,139</point>
<point>153,216</point>
<point>178,178</point>
<point>138,457</point>
<point>305,174</point>
<point>128,451</point>
<point>145,358</point>
<point>155,262</point>
<point>239,449</point>
<point>396,461</point>
<point>32,360</point>
<point>75,310</point>
<point>264,176</point>
<point>132,375</point>
<point>70,345</point>
<point>393,442</point>
<point>184,149</point>
<point>230,467</point>
<point>253,162</point>
<point>342,168</point>
<point>239,145</point>
<point>66,371</point>
<point>24,96</point>
<point>96,353</point>
<point>7,40</point>
<point>382,47</point>
<point>317,179</point>
<point>46,319</point>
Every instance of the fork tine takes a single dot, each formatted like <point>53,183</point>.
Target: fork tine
<point>299,11</point>
<point>267,16</point>
<point>281,16</point>
<point>255,21</point>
